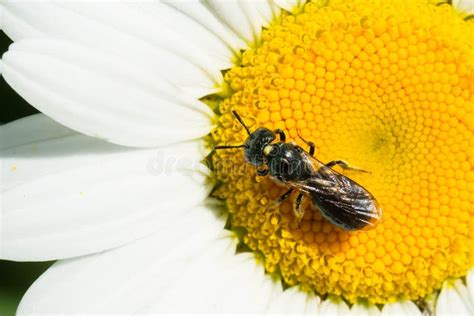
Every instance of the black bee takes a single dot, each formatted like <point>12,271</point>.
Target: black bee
<point>341,200</point>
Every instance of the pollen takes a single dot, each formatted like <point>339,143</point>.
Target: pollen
<point>386,86</point>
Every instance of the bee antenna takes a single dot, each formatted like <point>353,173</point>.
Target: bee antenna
<point>237,116</point>
<point>301,137</point>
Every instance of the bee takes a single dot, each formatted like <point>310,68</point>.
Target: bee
<point>341,200</point>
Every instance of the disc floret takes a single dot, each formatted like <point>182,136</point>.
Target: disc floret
<point>386,86</point>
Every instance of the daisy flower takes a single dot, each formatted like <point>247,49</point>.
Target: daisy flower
<point>116,179</point>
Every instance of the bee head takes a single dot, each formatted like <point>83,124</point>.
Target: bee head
<point>255,146</point>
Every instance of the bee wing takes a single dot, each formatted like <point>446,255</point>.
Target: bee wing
<point>341,200</point>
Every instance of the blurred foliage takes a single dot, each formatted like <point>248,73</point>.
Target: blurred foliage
<point>15,277</point>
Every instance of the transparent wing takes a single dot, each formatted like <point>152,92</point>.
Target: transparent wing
<point>341,200</point>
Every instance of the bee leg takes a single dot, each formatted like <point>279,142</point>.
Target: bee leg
<point>284,197</point>
<point>297,211</point>
<point>311,148</point>
<point>262,172</point>
<point>281,134</point>
<point>344,165</point>
<point>281,199</point>
<point>310,144</point>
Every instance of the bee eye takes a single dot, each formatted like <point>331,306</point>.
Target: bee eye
<point>274,151</point>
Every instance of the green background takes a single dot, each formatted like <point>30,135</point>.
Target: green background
<point>15,277</point>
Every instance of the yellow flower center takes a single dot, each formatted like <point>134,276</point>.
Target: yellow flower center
<point>388,87</point>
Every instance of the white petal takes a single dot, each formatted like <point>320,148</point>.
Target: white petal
<point>15,27</point>
<point>162,26</point>
<point>430,303</point>
<point>189,266</point>
<point>130,30</point>
<point>265,9</point>
<point>312,304</point>
<point>233,14</point>
<point>466,6</point>
<point>470,284</point>
<point>102,95</point>
<point>66,194</point>
<point>364,309</point>
<point>198,11</point>
<point>454,299</point>
<point>227,282</point>
<point>288,5</point>
<point>333,305</point>
<point>31,129</point>
<point>401,308</point>
<point>292,301</point>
